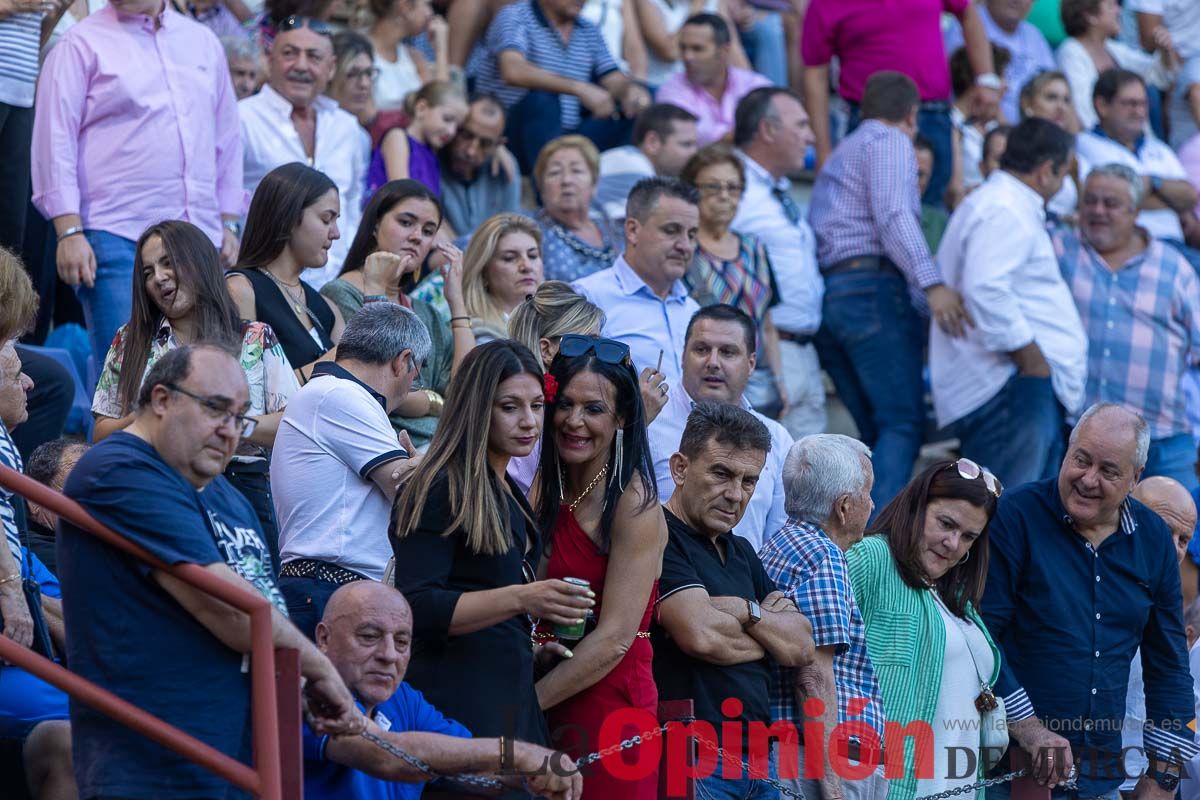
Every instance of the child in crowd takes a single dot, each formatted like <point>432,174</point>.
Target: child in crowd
<point>435,110</point>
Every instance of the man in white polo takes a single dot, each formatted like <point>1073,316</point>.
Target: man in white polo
<point>336,457</point>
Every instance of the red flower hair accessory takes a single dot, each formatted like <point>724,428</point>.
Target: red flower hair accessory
<point>549,387</point>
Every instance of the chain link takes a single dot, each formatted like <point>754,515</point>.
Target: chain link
<point>416,763</point>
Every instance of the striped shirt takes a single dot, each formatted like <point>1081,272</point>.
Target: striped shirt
<point>20,38</point>
<point>11,458</point>
<point>1143,327</point>
<point>866,202</point>
<point>523,27</point>
<point>810,569</point>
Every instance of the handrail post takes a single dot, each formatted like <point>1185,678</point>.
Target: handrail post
<point>262,687</point>
<point>291,747</point>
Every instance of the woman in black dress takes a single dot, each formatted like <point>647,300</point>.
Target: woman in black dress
<point>290,226</point>
<point>467,548</point>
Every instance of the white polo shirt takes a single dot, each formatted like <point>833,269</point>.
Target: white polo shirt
<point>334,432</point>
<point>1153,158</point>
<point>765,513</point>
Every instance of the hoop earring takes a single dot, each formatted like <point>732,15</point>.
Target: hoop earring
<point>964,559</point>
<point>618,456</point>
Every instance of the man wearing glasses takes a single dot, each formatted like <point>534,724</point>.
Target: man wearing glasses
<point>280,125</point>
<point>471,190</point>
<point>139,632</point>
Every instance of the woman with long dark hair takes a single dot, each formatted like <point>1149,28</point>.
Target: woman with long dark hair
<point>918,579</point>
<point>290,227</point>
<point>179,298</point>
<point>467,548</point>
<point>597,500</point>
<point>398,229</point>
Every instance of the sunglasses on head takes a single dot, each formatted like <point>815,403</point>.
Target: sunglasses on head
<point>609,351</point>
<point>296,21</point>
<point>969,470</point>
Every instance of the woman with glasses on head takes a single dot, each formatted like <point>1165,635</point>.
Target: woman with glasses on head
<point>467,549</point>
<point>180,298</point>
<point>733,268</point>
<point>918,578</point>
<point>597,503</point>
<point>398,231</point>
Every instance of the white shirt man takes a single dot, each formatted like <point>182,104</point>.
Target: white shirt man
<point>719,357</point>
<point>773,133</point>
<point>995,382</point>
<point>290,119</point>
<point>664,138</point>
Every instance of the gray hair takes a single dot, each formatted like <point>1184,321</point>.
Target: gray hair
<point>241,47</point>
<point>1140,429</point>
<point>818,470</point>
<point>1125,174</point>
<point>380,332</point>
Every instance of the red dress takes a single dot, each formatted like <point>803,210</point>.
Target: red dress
<point>575,723</point>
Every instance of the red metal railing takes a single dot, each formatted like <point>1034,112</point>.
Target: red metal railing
<point>275,696</point>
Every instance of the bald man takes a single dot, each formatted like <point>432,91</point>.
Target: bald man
<point>367,633</point>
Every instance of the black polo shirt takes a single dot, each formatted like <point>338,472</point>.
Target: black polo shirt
<point>692,560</point>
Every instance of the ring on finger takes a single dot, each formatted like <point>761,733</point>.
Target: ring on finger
<point>662,387</point>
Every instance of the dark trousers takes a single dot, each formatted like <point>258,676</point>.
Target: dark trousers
<point>933,122</point>
<point>538,118</point>
<point>870,344</point>
<point>16,136</point>
<point>306,599</point>
<point>255,486</point>
<point>49,403</point>
<point>1018,434</point>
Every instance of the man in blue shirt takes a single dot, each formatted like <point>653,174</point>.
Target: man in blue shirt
<point>1081,575</point>
<point>367,633</point>
<point>143,634</point>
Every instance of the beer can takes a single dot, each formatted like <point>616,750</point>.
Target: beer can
<point>575,630</point>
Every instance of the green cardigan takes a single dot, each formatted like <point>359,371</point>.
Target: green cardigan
<point>906,640</point>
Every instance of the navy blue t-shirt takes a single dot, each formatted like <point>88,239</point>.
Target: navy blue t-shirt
<point>406,711</point>
<point>128,635</point>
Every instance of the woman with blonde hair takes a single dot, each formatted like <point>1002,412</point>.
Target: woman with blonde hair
<point>578,239</point>
<point>502,267</point>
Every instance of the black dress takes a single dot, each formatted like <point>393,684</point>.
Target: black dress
<point>482,679</point>
<point>271,307</point>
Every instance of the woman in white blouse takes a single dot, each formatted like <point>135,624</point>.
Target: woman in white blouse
<point>402,69</point>
<point>1090,50</point>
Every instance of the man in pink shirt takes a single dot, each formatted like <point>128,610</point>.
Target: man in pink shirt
<point>708,87</point>
<point>901,35</point>
<point>136,121</point>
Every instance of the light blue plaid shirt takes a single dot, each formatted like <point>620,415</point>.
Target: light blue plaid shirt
<point>1143,327</point>
<point>810,569</point>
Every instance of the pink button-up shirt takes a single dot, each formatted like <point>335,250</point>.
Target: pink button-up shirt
<point>715,117</point>
<point>871,35</point>
<point>135,125</point>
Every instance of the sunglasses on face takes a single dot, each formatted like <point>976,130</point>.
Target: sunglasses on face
<point>969,470</point>
<point>609,351</point>
<point>296,21</point>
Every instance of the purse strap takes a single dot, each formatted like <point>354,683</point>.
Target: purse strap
<point>984,683</point>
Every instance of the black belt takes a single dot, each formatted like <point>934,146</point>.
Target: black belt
<point>794,338</point>
<point>864,263</point>
<point>321,570</point>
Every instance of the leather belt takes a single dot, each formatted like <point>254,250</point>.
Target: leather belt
<point>863,263</point>
<point>795,338</point>
<point>321,570</point>
<point>854,750</point>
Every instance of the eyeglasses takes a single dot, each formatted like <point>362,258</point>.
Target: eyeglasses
<point>358,74</point>
<point>296,21</point>
<point>720,188</point>
<point>969,470</point>
<point>219,410</point>
<point>610,351</point>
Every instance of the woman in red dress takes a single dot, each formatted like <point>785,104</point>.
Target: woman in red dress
<point>597,500</point>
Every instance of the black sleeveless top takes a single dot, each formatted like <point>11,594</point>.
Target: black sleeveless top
<point>273,308</point>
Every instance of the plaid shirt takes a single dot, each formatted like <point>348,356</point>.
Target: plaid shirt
<point>810,569</point>
<point>1143,327</point>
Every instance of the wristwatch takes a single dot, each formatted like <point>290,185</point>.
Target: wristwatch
<point>233,226</point>
<point>1166,780</point>
<point>753,613</point>
<point>989,80</point>
<point>1156,184</point>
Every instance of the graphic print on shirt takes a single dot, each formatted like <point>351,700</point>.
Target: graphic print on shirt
<point>246,554</point>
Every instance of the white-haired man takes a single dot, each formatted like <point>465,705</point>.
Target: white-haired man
<point>827,480</point>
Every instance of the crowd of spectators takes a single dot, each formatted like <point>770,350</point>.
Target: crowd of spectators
<point>415,317</point>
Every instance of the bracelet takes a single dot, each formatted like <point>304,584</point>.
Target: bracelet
<point>16,576</point>
<point>989,80</point>
<point>72,231</point>
<point>467,318</point>
<point>436,402</point>
<point>375,298</point>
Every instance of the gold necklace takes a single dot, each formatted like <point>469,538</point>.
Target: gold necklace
<point>599,476</point>
<point>300,306</point>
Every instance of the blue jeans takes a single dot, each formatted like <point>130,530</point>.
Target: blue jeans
<point>1004,792</point>
<point>934,125</point>
<point>870,345</point>
<point>537,119</point>
<point>715,787</point>
<point>306,599</point>
<point>1174,457</point>
<point>107,304</point>
<point>1018,434</point>
<point>766,47</point>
